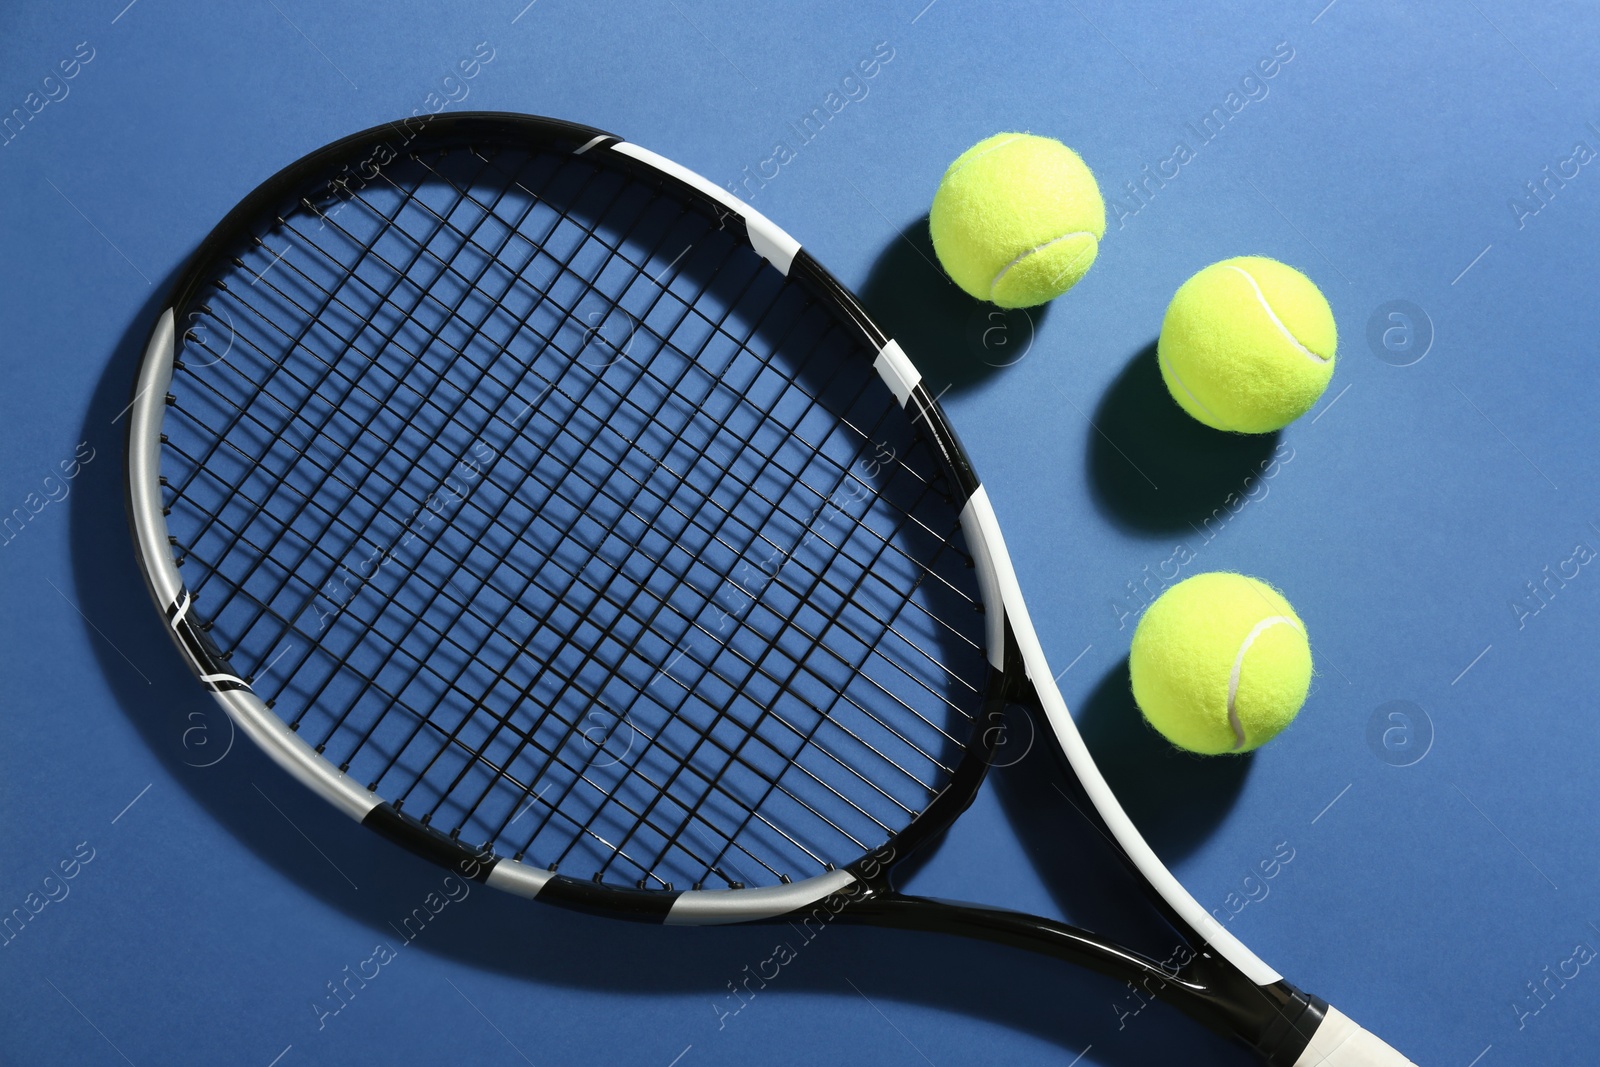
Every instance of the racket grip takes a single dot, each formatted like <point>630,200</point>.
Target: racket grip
<point>1339,1042</point>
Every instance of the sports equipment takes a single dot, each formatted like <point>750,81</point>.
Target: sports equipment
<point>542,506</point>
<point>1220,663</point>
<point>1247,345</point>
<point>1017,219</point>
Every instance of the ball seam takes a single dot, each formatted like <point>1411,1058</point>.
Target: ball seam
<point>1166,365</point>
<point>1261,298</point>
<point>995,283</point>
<point>1238,663</point>
<point>962,164</point>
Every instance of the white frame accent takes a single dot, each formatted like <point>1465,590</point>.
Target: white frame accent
<point>897,371</point>
<point>513,876</point>
<point>717,907</point>
<point>144,462</point>
<point>768,238</point>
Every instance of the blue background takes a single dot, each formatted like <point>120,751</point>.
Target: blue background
<point>1404,518</point>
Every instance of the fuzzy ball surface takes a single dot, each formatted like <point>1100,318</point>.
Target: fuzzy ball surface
<point>1220,663</point>
<point>1247,345</point>
<point>1017,219</point>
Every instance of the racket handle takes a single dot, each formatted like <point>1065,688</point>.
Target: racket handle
<point>1339,1042</point>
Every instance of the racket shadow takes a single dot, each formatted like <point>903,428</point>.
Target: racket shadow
<point>1174,799</point>
<point>240,787</point>
<point>1153,468</point>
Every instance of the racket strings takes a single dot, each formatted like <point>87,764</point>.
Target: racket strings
<point>496,623</point>
<point>307,322</point>
<point>525,788</point>
<point>944,538</point>
<point>866,438</point>
<point>809,736</point>
<point>398,276</point>
<point>662,827</point>
<point>527,736</point>
<point>689,307</point>
<point>243,410</point>
<point>311,317</point>
<point>836,591</point>
<point>816,576</point>
<point>642,322</point>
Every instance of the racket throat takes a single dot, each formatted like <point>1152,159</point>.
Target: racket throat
<point>1276,1021</point>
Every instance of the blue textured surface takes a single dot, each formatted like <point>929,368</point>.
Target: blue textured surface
<point>1406,518</point>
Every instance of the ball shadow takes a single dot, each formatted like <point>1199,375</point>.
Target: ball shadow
<point>239,786</point>
<point>1175,798</point>
<point>1153,467</point>
<point>957,342</point>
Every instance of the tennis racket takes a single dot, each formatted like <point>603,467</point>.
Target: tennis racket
<point>545,508</point>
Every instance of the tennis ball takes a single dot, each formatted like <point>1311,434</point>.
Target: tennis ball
<point>1220,663</point>
<point>1017,219</point>
<point>1247,345</point>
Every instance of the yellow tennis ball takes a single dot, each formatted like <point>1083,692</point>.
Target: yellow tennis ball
<point>1247,345</point>
<point>1017,219</point>
<point>1220,663</point>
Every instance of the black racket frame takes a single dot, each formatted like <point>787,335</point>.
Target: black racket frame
<point>1277,1020</point>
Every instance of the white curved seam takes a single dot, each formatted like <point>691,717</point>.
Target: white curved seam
<point>1273,315</point>
<point>1162,360</point>
<point>995,284</point>
<point>1238,662</point>
<point>992,148</point>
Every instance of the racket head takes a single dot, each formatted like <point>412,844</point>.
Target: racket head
<point>549,510</point>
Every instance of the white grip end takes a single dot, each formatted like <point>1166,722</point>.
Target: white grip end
<point>1339,1042</point>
